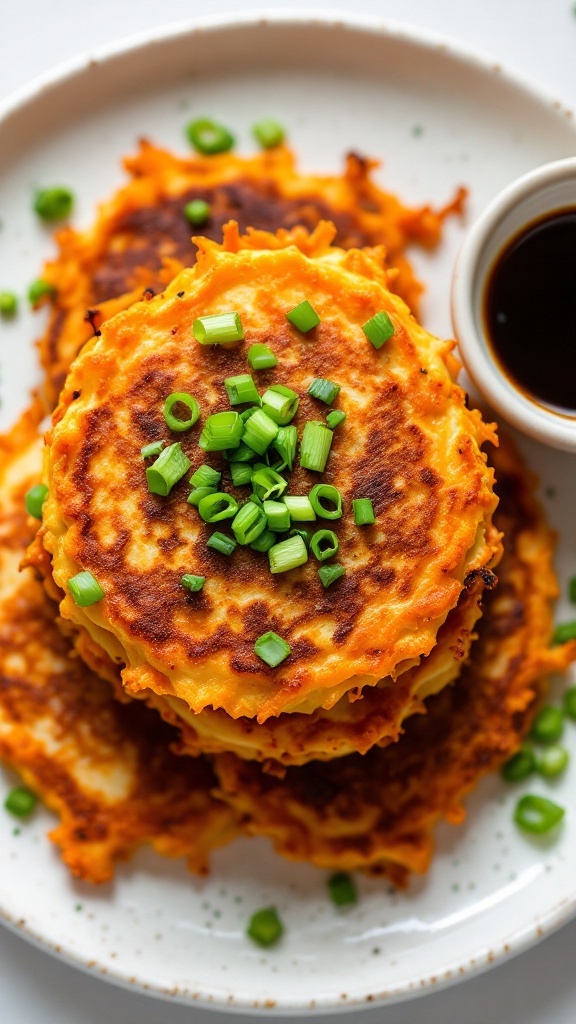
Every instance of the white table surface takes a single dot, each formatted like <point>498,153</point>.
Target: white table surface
<point>534,37</point>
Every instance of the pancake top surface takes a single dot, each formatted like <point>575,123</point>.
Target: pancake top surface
<point>408,443</point>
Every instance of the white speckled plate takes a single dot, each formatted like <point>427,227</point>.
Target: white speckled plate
<point>438,118</point>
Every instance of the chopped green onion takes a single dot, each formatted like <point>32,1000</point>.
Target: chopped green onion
<point>537,814</point>
<point>240,454</point>
<point>195,496</point>
<point>272,649</point>
<point>39,290</point>
<point>325,492</point>
<point>35,499</point>
<point>324,389</point>
<point>215,507</point>
<point>280,404</point>
<point>241,473</point>
<point>277,515</point>
<point>261,357</point>
<point>209,137</point>
<point>259,431</point>
<point>170,466</point>
<point>300,508</point>
<point>520,765</point>
<point>256,500</point>
<point>173,422</point>
<point>548,725</point>
<point>304,317</point>
<point>268,133</point>
<point>265,541</point>
<point>324,544</point>
<point>300,532</point>
<point>342,889</point>
<point>552,761</point>
<point>288,554</point>
<point>218,329</point>
<point>8,304</point>
<point>85,590</point>
<point>285,444</point>
<point>378,329</point>
<point>205,476</point>
<point>363,511</point>
<point>197,212</point>
<point>20,801</point>
<point>241,389</point>
<point>154,448</point>
<point>53,203</point>
<point>249,523</point>
<point>267,483</point>
<point>335,418</point>
<point>572,590</point>
<point>246,413</point>
<point>265,927</point>
<point>564,632</point>
<point>221,543</point>
<point>222,430</point>
<point>192,583</point>
<point>315,446</point>
<point>570,702</point>
<point>330,573</point>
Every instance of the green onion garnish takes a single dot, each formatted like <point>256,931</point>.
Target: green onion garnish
<point>256,500</point>
<point>85,589</point>
<point>277,515</point>
<point>197,212</point>
<point>285,444</point>
<point>324,544</point>
<point>222,430</point>
<point>315,446</point>
<point>265,541</point>
<point>288,554</point>
<point>572,590</point>
<point>272,649</point>
<point>378,329</point>
<point>240,454</point>
<point>221,543</point>
<point>174,422</point>
<point>259,431</point>
<point>8,304</point>
<point>303,316</point>
<point>20,801</point>
<point>267,483</point>
<point>342,889</point>
<point>218,329</point>
<point>209,137</point>
<point>205,476</point>
<point>363,511</point>
<point>268,133</point>
<point>552,761</point>
<point>570,702</point>
<point>300,508</point>
<point>334,418</point>
<point>249,523</point>
<point>261,357</point>
<point>39,290</point>
<point>330,573</point>
<point>520,765</point>
<point>241,473</point>
<point>170,466</point>
<point>154,448</point>
<point>241,389</point>
<point>195,496</point>
<point>326,493</point>
<point>215,507</point>
<point>192,583</point>
<point>537,814</point>
<point>548,725</point>
<point>564,632</point>
<point>53,203</point>
<point>35,499</point>
<point>280,404</point>
<point>265,927</point>
<point>324,389</point>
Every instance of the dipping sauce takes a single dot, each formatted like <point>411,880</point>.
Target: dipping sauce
<point>530,310</point>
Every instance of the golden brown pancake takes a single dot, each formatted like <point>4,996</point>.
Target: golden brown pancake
<point>409,443</point>
<point>106,769</point>
<point>379,811</point>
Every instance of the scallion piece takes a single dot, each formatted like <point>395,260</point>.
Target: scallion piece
<point>265,541</point>
<point>218,329</point>
<point>174,422</point>
<point>570,702</point>
<point>54,203</point>
<point>195,496</point>
<point>197,212</point>
<point>20,801</point>
<point>8,304</point>
<point>268,133</point>
<point>249,523</point>
<point>285,444</point>
<point>241,473</point>
<point>304,317</point>
<point>205,476</point>
<point>297,531</point>
<point>209,137</point>
<point>300,508</point>
<point>40,289</point>
<point>265,927</point>
<point>324,389</point>
<point>240,454</point>
<point>267,483</point>
<point>334,418</point>
<point>259,431</point>
<point>277,515</point>
<point>221,543</point>
<point>35,499</point>
<point>272,649</point>
<point>378,329</point>
<point>552,761</point>
<point>85,590</point>
<point>288,554</point>
<point>261,357</point>
<point>330,573</point>
<point>215,507</point>
<point>324,544</point>
<point>520,765</point>
<point>564,632</point>
<point>315,446</point>
<point>548,725</point>
<point>326,493</point>
<point>363,512</point>
<point>537,814</point>
<point>192,583</point>
<point>241,389</point>
<point>154,448</point>
<point>280,404</point>
<point>342,889</point>
<point>170,466</point>
<point>222,430</point>
<point>256,500</point>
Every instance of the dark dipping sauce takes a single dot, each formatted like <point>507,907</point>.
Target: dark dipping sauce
<point>530,310</point>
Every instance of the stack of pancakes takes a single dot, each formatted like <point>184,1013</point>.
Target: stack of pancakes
<point>148,715</point>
